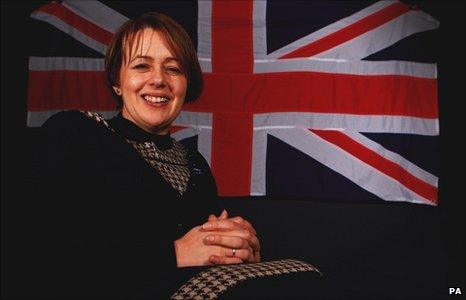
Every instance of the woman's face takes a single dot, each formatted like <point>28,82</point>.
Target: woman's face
<point>152,84</point>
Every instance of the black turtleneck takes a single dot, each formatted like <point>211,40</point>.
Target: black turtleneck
<point>135,133</point>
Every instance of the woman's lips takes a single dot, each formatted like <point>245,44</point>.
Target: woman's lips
<point>155,100</point>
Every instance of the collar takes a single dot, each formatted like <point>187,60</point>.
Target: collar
<point>131,131</point>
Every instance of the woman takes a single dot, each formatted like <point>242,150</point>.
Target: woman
<point>123,203</point>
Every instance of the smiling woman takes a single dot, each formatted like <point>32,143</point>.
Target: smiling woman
<point>126,43</point>
<point>152,84</point>
<point>149,64</point>
<point>103,183</point>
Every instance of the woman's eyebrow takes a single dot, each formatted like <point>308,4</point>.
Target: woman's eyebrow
<point>143,57</point>
<point>170,59</point>
<point>150,58</point>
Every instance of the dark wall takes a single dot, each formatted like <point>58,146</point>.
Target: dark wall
<point>394,250</point>
<point>451,66</point>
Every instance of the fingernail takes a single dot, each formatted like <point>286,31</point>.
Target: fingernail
<point>209,238</point>
<point>207,225</point>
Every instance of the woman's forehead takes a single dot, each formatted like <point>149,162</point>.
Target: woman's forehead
<point>141,42</point>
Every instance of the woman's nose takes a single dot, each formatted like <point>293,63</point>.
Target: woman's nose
<point>157,78</point>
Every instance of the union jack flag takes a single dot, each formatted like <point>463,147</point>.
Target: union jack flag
<point>301,98</point>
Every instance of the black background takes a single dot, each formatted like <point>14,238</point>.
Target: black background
<point>394,250</point>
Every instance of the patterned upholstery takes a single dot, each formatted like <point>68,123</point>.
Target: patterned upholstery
<point>211,283</point>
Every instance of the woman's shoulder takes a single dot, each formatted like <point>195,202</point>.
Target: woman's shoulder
<point>67,117</point>
<point>75,120</point>
<point>74,125</point>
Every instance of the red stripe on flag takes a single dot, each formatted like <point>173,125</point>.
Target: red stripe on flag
<point>58,90</point>
<point>279,92</point>
<point>74,20</point>
<point>320,92</point>
<point>231,153</point>
<point>174,128</point>
<point>380,163</point>
<point>366,24</point>
<point>232,41</point>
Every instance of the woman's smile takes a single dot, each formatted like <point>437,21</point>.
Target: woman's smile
<point>154,99</point>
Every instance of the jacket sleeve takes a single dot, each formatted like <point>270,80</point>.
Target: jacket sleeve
<point>83,245</point>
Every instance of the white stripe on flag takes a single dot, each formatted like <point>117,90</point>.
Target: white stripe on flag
<point>97,13</point>
<point>347,165</point>
<point>260,29</point>
<point>194,119</point>
<point>382,37</point>
<point>359,123</point>
<point>70,30</point>
<point>202,124</point>
<point>204,35</point>
<point>335,66</point>
<point>65,63</point>
<point>392,156</point>
<point>332,28</point>
<point>258,168</point>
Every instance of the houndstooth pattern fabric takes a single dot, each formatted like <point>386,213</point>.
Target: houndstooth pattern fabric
<point>172,163</point>
<point>211,283</point>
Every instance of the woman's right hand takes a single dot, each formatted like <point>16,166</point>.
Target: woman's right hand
<point>195,248</point>
<point>224,224</point>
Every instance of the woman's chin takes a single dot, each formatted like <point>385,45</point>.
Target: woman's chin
<point>157,126</point>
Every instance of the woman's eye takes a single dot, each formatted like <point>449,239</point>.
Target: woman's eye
<point>141,67</point>
<point>173,70</point>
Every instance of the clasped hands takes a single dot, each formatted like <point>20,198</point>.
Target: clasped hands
<point>221,240</point>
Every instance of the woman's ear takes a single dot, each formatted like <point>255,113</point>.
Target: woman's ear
<point>117,90</point>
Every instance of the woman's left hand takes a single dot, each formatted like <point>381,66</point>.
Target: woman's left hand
<point>222,227</point>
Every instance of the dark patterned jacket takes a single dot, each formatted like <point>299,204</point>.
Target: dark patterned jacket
<point>106,220</point>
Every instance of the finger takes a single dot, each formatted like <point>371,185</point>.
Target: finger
<point>223,215</point>
<point>244,254</point>
<point>212,218</point>
<point>257,256</point>
<point>252,240</point>
<point>243,223</point>
<point>227,225</point>
<point>222,260</point>
<point>233,242</point>
<point>224,225</point>
<point>228,228</point>
<point>254,243</point>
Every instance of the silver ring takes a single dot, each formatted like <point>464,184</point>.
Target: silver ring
<point>234,252</point>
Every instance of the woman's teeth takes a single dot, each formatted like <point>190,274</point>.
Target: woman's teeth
<point>153,99</point>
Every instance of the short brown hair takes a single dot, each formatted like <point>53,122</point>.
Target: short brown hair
<point>178,42</point>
